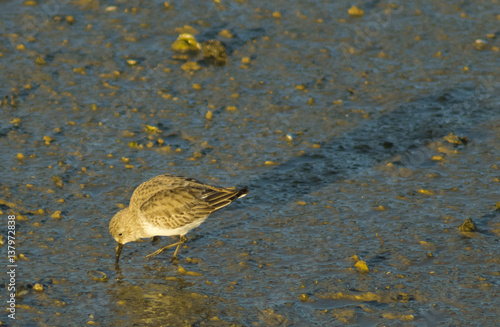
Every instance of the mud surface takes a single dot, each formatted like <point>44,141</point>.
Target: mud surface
<point>343,128</point>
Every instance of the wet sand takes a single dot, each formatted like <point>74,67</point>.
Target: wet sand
<point>343,128</point>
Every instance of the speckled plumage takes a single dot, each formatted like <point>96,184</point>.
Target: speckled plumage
<point>168,205</point>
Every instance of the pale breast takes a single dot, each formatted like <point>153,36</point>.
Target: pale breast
<point>156,230</point>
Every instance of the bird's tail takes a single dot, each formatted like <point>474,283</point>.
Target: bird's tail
<point>242,192</point>
<point>224,196</point>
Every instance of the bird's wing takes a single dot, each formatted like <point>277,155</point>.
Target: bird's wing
<point>174,208</point>
<point>172,201</point>
<point>177,207</point>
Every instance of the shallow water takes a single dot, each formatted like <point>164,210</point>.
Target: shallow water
<point>339,125</point>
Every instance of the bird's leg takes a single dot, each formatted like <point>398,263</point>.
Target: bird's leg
<point>160,250</point>
<point>182,240</point>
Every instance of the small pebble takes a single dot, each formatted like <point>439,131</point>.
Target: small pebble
<point>467,226</point>
<point>355,12</point>
<point>38,287</point>
<point>362,266</point>
<point>56,215</point>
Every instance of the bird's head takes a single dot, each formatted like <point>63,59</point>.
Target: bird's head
<point>122,230</point>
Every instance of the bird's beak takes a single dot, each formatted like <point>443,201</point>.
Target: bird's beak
<point>118,251</point>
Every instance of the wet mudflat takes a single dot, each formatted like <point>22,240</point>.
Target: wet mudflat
<point>344,124</point>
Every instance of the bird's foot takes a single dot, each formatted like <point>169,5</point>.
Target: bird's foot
<point>160,250</point>
<point>182,240</point>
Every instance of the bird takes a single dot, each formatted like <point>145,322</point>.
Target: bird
<point>168,205</point>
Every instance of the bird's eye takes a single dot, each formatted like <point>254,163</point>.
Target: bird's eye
<point>120,234</point>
